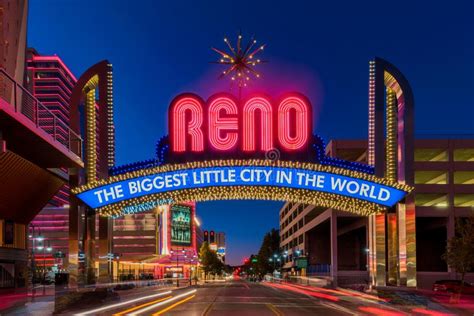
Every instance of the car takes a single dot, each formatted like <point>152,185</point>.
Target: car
<point>453,286</point>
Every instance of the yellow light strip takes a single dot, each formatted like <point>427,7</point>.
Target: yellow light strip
<point>238,162</point>
<point>391,139</point>
<point>141,306</point>
<point>91,140</point>
<point>174,305</point>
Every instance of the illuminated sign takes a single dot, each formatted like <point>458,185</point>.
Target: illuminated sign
<point>224,126</point>
<point>252,148</point>
<point>254,176</point>
<point>181,225</point>
<point>178,269</point>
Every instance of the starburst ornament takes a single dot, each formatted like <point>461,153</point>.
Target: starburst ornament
<point>240,61</point>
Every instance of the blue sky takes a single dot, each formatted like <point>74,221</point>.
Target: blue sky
<point>321,48</point>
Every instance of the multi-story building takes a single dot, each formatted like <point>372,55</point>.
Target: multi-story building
<point>335,243</point>
<point>52,82</point>
<point>156,242</point>
<point>221,246</point>
<point>216,242</point>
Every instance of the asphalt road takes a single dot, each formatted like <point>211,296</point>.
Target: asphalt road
<point>229,298</point>
<point>243,298</point>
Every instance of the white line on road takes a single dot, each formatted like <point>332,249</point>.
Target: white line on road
<point>148,308</point>
<point>101,309</point>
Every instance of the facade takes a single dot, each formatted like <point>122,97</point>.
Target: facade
<point>216,241</point>
<point>33,150</point>
<point>51,81</point>
<point>158,243</point>
<point>335,243</point>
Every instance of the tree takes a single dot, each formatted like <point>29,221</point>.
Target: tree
<point>270,246</point>
<point>459,253</point>
<point>209,261</point>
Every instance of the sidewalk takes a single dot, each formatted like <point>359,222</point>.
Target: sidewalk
<point>42,300</point>
<point>418,301</point>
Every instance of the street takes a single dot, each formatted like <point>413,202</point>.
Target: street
<point>240,297</point>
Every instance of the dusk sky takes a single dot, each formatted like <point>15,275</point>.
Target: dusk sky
<point>320,48</point>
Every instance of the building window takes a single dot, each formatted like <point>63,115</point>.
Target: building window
<point>301,223</point>
<point>300,239</point>
<point>464,200</point>
<point>431,177</point>
<point>463,177</point>
<point>431,199</point>
<point>464,154</point>
<point>431,154</point>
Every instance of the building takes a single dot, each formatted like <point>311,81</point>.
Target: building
<point>157,243</point>
<point>216,242</point>
<point>14,22</point>
<point>221,245</point>
<point>31,150</point>
<point>335,243</point>
<point>51,81</point>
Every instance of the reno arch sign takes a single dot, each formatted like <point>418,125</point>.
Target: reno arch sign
<point>252,125</point>
<point>219,149</point>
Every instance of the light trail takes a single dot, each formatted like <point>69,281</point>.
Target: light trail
<point>174,305</point>
<point>141,306</point>
<point>101,309</point>
<point>177,297</point>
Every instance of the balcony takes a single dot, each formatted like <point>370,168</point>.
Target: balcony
<point>32,131</point>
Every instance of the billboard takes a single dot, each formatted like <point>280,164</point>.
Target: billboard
<point>181,225</point>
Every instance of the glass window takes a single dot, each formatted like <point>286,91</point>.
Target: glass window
<point>431,177</point>
<point>463,177</point>
<point>464,154</point>
<point>431,154</point>
<point>431,199</point>
<point>464,200</point>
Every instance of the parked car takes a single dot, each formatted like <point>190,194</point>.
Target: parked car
<point>453,286</point>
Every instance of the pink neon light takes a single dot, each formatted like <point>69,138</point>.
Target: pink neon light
<point>379,311</point>
<point>55,58</point>
<point>310,293</point>
<point>220,136</point>
<point>300,125</point>
<point>178,125</point>
<point>250,128</point>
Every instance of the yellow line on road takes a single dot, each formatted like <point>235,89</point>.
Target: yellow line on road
<point>274,309</point>
<point>140,306</point>
<point>173,306</point>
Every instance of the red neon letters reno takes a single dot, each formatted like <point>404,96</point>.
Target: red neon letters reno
<point>255,124</point>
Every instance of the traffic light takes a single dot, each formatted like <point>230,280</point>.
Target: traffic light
<point>206,236</point>
<point>211,237</point>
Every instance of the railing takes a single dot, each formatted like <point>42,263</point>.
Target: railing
<point>31,108</point>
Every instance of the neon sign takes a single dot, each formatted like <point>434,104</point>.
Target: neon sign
<point>223,125</point>
<point>299,179</point>
<point>218,150</point>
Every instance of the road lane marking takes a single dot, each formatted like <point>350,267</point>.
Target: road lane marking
<point>150,307</point>
<point>207,310</point>
<point>141,306</point>
<point>174,305</point>
<point>338,307</point>
<point>274,309</point>
<point>101,309</point>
